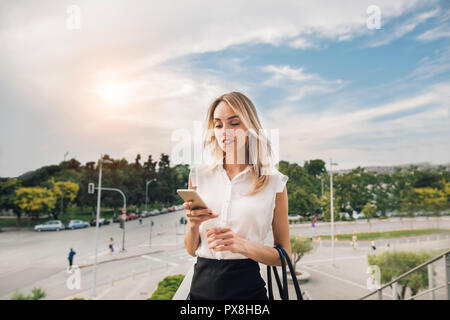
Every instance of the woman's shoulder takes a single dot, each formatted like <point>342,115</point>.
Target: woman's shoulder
<point>279,179</point>
<point>198,172</point>
<point>201,168</point>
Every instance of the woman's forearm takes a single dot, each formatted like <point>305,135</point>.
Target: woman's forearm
<point>262,253</point>
<point>192,239</point>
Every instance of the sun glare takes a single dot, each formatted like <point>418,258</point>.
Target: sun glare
<point>113,93</point>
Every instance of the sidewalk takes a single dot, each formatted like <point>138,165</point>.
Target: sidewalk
<point>120,255</point>
<point>137,287</point>
<point>346,281</point>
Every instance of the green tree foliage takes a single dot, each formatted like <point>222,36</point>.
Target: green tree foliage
<point>392,264</point>
<point>299,247</point>
<point>8,196</point>
<point>406,190</point>
<point>167,288</point>
<point>62,190</point>
<point>325,203</point>
<point>369,211</point>
<point>35,200</point>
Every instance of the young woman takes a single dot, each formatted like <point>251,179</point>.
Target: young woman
<point>246,197</point>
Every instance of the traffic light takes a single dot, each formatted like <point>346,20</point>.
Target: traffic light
<point>91,187</point>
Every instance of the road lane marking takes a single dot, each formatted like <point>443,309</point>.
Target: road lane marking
<point>328,260</point>
<point>160,260</point>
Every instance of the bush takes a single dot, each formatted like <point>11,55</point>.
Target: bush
<point>299,247</point>
<point>167,287</point>
<point>395,263</point>
<point>36,294</point>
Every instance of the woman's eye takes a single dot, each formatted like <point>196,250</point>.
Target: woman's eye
<point>235,124</point>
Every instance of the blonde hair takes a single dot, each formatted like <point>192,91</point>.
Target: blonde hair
<point>259,153</point>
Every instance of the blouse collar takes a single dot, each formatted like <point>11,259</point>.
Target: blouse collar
<point>219,165</point>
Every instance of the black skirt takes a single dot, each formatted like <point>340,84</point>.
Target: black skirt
<point>227,279</point>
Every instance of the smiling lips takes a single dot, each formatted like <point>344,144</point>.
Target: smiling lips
<point>227,141</point>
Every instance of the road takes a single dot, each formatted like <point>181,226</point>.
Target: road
<point>29,259</point>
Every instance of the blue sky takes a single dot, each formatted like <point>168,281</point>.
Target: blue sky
<point>129,77</point>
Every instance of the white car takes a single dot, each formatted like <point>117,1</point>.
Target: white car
<point>50,225</point>
<point>154,212</point>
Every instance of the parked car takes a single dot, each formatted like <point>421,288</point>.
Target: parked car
<point>164,210</point>
<point>154,212</point>
<point>357,215</point>
<point>77,224</point>
<point>145,214</point>
<point>50,225</point>
<point>101,222</point>
<point>171,209</point>
<point>132,216</point>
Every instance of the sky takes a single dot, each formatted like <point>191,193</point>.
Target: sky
<point>363,83</point>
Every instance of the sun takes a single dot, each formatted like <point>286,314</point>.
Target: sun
<point>113,93</point>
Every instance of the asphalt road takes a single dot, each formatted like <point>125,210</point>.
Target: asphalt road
<point>29,259</point>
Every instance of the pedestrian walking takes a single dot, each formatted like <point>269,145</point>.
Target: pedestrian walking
<point>372,243</point>
<point>111,245</point>
<point>70,257</point>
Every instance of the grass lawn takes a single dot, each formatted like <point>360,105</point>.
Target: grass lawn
<point>388,234</point>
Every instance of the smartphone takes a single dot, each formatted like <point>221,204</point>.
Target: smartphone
<point>192,195</point>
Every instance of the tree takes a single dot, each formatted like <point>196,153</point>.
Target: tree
<point>431,199</point>
<point>34,200</point>
<point>370,212</point>
<point>299,247</point>
<point>325,203</point>
<point>315,167</point>
<point>65,192</point>
<point>7,197</point>
<point>395,263</point>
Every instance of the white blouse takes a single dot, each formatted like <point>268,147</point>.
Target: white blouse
<point>248,216</point>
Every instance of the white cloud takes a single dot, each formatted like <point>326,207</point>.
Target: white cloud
<point>298,83</point>
<point>49,73</point>
<point>403,28</point>
<point>435,33</point>
<point>312,135</point>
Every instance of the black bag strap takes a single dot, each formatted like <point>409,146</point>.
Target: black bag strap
<point>293,274</point>
<point>283,288</point>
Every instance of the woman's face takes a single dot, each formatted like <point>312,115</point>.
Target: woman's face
<point>229,131</point>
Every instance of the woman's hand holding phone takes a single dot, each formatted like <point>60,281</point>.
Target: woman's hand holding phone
<point>196,217</point>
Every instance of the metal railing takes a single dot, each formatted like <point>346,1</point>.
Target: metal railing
<point>446,262</point>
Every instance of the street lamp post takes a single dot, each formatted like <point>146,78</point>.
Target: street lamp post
<point>96,223</point>
<point>332,211</point>
<point>62,195</point>
<point>146,201</point>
